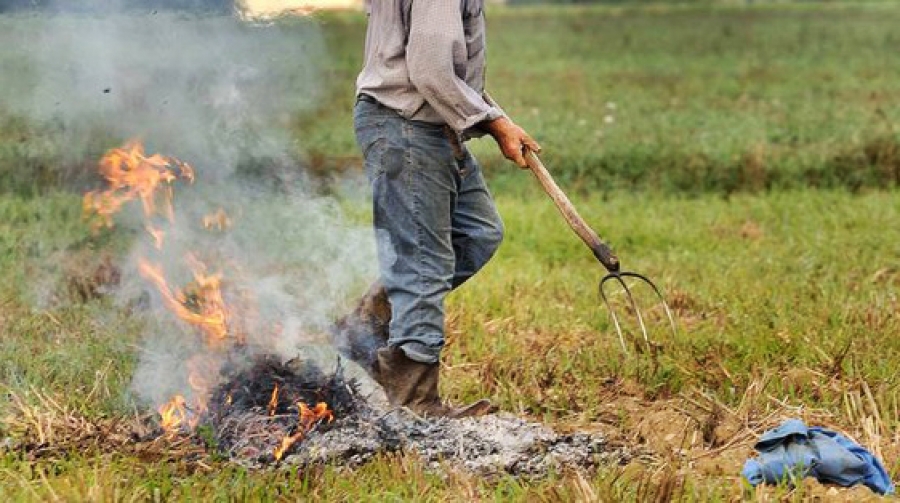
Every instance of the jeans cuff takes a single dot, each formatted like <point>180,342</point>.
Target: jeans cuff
<point>418,352</point>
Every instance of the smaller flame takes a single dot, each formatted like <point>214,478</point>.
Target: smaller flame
<point>308,419</point>
<point>202,306</point>
<point>203,372</point>
<point>273,401</point>
<point>218,221</point>
<point>173,414</point>
<point>157,235</point>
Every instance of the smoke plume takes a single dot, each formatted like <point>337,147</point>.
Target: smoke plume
<point>217,93</point>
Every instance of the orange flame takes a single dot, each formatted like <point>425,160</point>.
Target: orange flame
<point>157,235</point>
<point>133,175</point>
<point>203,371</point>
<point>309,418</point>
<point>201,306</point>
<point>217,221</point>
<point>173,414</point>
<point>273,402</point>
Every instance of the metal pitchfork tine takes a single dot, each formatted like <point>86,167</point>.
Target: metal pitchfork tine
<point>601,251</point>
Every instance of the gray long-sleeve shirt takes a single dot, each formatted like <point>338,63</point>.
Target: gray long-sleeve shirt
<point>425,59</point>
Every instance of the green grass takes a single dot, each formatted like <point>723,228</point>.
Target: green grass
<point>683,99</point>
<point>765,287</point>
<point>743,128</point>
<point>764,283</point>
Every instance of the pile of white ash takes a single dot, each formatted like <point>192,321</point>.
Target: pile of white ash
<point>359,425</point>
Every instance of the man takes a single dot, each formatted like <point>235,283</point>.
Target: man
<point>420,94</point>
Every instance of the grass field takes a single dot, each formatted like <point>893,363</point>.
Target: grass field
<point>763,145</point>
<point>685,100</point>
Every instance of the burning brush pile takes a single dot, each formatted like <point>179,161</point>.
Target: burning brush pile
<point>260,412</point>
<point>243,398</point>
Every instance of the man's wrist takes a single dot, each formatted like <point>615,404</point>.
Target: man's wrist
<point>498,126</point>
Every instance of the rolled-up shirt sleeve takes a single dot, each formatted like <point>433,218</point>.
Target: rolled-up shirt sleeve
<point>436,47</point>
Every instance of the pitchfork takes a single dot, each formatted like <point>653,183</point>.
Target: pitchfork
<point>603,253</point>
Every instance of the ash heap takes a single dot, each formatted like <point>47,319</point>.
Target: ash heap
<point>251,425</point>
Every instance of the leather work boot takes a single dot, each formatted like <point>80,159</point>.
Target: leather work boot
<point>414,385</point>
<point>359,334</point>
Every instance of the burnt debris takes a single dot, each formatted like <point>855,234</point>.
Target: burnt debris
<point>257,405</point>
<point>250,421</point>
<point>250,388</point>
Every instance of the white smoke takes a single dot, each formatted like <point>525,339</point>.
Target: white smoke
<point>218,94</point>
<point>288,263</point>
<point>207,90</point>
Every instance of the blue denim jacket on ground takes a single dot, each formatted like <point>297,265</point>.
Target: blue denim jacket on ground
<point>794,451</point>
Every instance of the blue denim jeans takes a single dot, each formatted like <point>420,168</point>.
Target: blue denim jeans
<point>436,224</point>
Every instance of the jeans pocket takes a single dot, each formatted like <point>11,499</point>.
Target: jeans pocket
<point>368,124</point>
<point>367,133</point>
<point>373,155</point>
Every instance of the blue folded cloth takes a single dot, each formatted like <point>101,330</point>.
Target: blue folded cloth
<point>793,450</point>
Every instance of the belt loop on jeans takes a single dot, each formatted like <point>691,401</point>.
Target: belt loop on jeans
<point>455,143</point>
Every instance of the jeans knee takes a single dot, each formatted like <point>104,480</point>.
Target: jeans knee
<point>493,236</point>
<point>484,246</point>
<point>422,353</point>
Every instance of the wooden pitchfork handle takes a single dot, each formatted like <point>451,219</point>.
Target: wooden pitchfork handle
<point>603,252</point>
